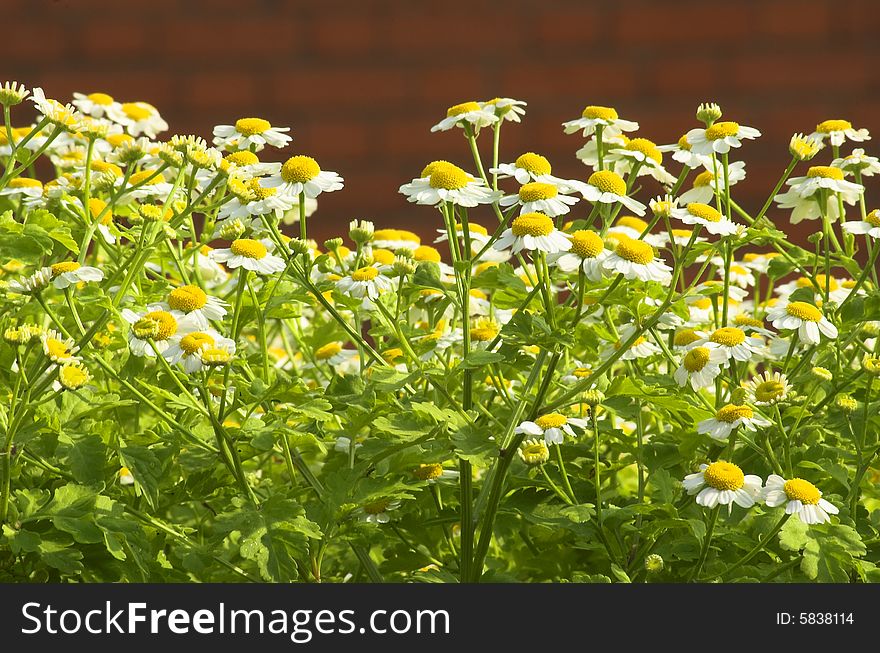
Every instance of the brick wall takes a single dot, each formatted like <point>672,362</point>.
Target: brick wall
<point>362,82</point>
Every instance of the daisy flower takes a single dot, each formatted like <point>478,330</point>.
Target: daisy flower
<point>859,162</point>
<point>527,167</point>
<point>803,196</point>
<point>733,342</point>
<point>156,324</point>
<point>193,301</point>
<point>553,427</point>
<point>703,187</point>
<point>640,348</point>
<point>740,275</point>
<point>246,164</point>
<point>138,118</point>
<point>96,105</point>
<point>250,134</point>
<point>533,231</point>
<point>57,348</point>
<point>759,261</point>
<point>394,239</point>
<point>434,473</point>
<point>506,108</point>
<point>588,154</point>
<point>728,418</point>
<point>645,154</point>
<point>442,181</point>
<point>719,138</point>
<point>33,283</point>
<point>700,366</point>
<point>629,225</point>
<point>635,259</point>
<point>71,376</point>
<point>125,476</point>
<point>769,388</point>
<point>723,483</point>
<point>343,361</point>
<point>483,332</point>
<point>806,318</point>
<point>211,273</point>
<point>707,216</point>
<point>252,199</point>
<point>534,452</point>
<point>366,282</point>
<point>597,116</point>
<point>800,498</point>
<point>682,152</point>
<point>870,226</point>
<point>376,512</point>
<point>838,131</point>
<point>587,252</point>
<point>61,115</point>
<point>144,184</point>
<point>607,187</point>
<point>70,273</point>
<point>187,348</point>
<point>249,254</point>
<point>302,174</point>
<point>545,197</point>
<point>23,187</point>
<point>580,372</point>
<point>467,113</point>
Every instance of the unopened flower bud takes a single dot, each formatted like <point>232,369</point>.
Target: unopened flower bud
<point>707,113</point>
<point>846,403</point>
<point>403,267</point>
<point>361,231</point>
<point>534,452</point>
<point>298,246</point>
<point>654,564</point>
<point>871,364</point>
<point>333,244</point>
<point>594,397</point>
<point>738,397</point>
<point>822,373</point>
<point>232,229</point>
<point>804,148</point>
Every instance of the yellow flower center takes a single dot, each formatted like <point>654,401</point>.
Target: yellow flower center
<point>586,243</point>
<point>66,266</point>
<point>383,256</point>
<point>825,172</point>
<point>804,311</point>
<point>137,110</point>
<point>392,355</point>
<point>478,294</point>
<point>537,191</point>
<point>632,222</point>
<point>721,130</point>
<point>73,377</point>
<point>251,126</point>
<point>161,323</point>
<point>187,298</point>
<point>260,192</point>
<point>821,280</point>
<point>300,169</point>
<point>249,248</point>
<point>636,251</point>
<point>25,182</point>
<point>100,98</point>
<point>683,144</point>
<point>797,489</point>
<point>193,342</point>
<point>485,330</point>
<point>696,359</point>
<point>426,253</point>
<point>532,224</point>
<point>744,320</point>
<point>593,112</point>
<point>116,140</point>
<point>243,158</point>
<point>724,476</point>
<point>365,274</point>
<point>447,176</point>
<point>533,163</point>
<point>731,412</point>
<point>685,337</point>
<point>104,167</point>
<point>328,351</point>
<point>551,421</point>
<point>728,336</point>
<point>57,349</point>
<point>215,356</point>
<point>703,179</point>
<point>464,107</point>
<point>608,181</point>
<point>646,147</point>
<point>769,391</point>
<point>534,452</point>
<point>828,126</point>
<point>703,211</point>
<point>582,372</point>
<point>428,472</point>
<point>873,218</point>
<point>145,177</point>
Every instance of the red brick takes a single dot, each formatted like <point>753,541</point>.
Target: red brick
<point>320,89</point>
<point>246,41</point>
<point>683,23</point>
<point>805,20</point>
<point>346,35</point>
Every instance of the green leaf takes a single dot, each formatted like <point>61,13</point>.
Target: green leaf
<point>477,359</point>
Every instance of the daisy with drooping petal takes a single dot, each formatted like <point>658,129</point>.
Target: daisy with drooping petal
<point>805,318</point>
<point>728,418</point>
<point>302,174</point>
<point>58,349</point>
<point>769,388</point>
<point>467,113</point>
<point>707,216</point>
<point>36,282</point>
<point>95,105</point>
<point>870,226</point>
<point>723,483</point>
<point>719,138</point>
<point>70,273</point>
<point>250,133</point>
<point>543,197</point>
<point>805,193</point>
<point>366,282</point>
<point>597,116</point>
<point>187,348</point>
<point>704,184</point>
<point>588,154</point>
<point>636,259</point>
<point>553,427</point>
<point>506,108</point>
<point>700,366</point>
<point>58,114</point>
<point>195,302</point>
<point>442,181</point>
<point>138,118</point>
<point>858,162</point>
<point>740,275</point>
<point>839,131</point>
<point>245,164</point>
<point>587,252</point>
<point>157,325</point>
<point>800,498</point>
<point>527,167</point>
<point>533,231</point>
<point>607,187</point>
<point>249,254</point>
<point>628,225</point>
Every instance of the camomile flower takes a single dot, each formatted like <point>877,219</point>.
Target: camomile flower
<point>682,152</point>
<point>682,339</point>
<point>720,137</point>
<point>769,388</point>
<point>553,427</point>
<point>806,318</point>
<point>36,282</point>
<point>195,302</point>
<point>250,134</point>
<point>597,116</point>
<point>95,105</point>
<point>729,417</point>
<point>211,273</point>
<point>533,451</point>
<point>58,114</point>
<point>635,259</point>
<point>578,373</point>
<point>395,239</point>
<point>607,187</point>
<point>709,217</point>
<point>70,273</point>
<point>628,225</point>
<point>839,131</point>
<point>125,476</point>
<point>146,183</point>
<point>252,199</point>
<point>434,473</point>
<point>335,355</point>
<point>467,113</point>
<point>302,174</point>
<point>527,167</point>
<point>836,288</point>
<point>366,282</point>
<point>700,366</point>
<point>587,252</point>
<point>442,181</point>
<point>858,161</point>
<point>759,261</point>
<point>703,186</point>
<point>544,197</point>
<point>803,196</point>
<point>57,348</point>
<point>643,153</point>
<point>870,226</point>
<point>723,483</point>
<point>138,118</point>
<point>245,164</point>
<point>483,332</point>
<point>740,275</point>
<point>187,348</point>
<point>376,512</point>
<point>506,108</point>
<point>640,348</point>
<point>533,231</point>
<point>72,375</point>
<point>157,325</point>
<point>588,154</point>
<point>23,187</point>
<point>249,254</point>
<point>800,498</point>
<point>750,324</point>
<point>733,342</point>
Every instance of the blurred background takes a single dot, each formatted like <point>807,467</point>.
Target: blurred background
<point>362,82</point>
